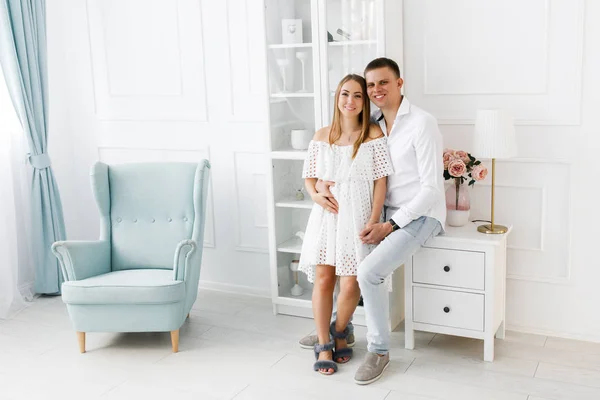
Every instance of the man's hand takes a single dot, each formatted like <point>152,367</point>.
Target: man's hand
<point>375,233</point>
<point>322,188</point>
<point>326,202</point>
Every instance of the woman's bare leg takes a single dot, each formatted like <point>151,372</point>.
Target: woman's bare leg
<point>322,303</point>
<point>346,305</point>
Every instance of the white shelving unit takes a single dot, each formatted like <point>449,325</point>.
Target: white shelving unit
<point>293,245</point>
<point>290,46</point>
<point>288,155</point>
<point>293,203</point>
<point>362,24</point>
<point>288,95</point>
<point>353,43</point>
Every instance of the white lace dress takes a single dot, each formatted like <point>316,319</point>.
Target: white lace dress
<point>332,239</point>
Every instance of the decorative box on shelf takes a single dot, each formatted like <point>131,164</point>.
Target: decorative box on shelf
<point>456,285</point>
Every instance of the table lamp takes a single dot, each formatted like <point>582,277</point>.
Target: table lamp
<point>494,138</point>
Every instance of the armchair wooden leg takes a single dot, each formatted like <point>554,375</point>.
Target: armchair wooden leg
<point>175,340</point>
<point>81,340</point>
<point>188,316</point>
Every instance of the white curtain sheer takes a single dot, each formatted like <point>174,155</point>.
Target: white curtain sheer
<point>16,268</point>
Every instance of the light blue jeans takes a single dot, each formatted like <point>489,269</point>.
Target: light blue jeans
<point>389,255</point>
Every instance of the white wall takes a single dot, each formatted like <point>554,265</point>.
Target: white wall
<point>183,80</point>
<point>539,59</point>
<point>139,80</point>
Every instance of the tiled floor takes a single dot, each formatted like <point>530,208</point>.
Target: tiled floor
<point>233,347</point>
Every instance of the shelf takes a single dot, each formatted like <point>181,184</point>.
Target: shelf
<point>307,203</point>
<point>289,155</point>
<point>293,245</point>
<point>305,300</point>
<point>290,46</point>
<point>352,43</point>
<point>291,94</point>
<point>283,124</point>
<point>286,297</point>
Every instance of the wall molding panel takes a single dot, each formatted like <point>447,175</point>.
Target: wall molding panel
<point>451,72</point>
<point>251,201</point>
<point>245,48</point>
<point>533,195</point>
<point>147,60</point>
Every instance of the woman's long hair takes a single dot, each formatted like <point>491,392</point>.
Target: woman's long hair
<point>363,118</point>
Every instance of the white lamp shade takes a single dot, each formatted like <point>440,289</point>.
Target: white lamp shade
<point>494,135</point>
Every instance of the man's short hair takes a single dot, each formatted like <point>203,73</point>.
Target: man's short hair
<point>381,63</point>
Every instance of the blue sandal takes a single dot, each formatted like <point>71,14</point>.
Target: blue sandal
<point>324,364</point>
<point>346,351</point>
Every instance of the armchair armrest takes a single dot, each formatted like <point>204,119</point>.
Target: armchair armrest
<point>184,250</point>
<point>82,259</point>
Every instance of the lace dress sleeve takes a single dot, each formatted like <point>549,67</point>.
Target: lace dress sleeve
<point>310,163</point>
<point>382,163</point>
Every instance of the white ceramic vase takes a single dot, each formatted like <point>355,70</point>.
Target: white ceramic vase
<point>300,139</point>
<point>457,217</point>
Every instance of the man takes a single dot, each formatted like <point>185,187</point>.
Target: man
<point>415,205</point>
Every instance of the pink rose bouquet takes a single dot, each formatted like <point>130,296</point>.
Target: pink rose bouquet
<point>462,166</point>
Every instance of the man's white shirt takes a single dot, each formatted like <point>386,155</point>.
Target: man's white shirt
<point>417,186</point>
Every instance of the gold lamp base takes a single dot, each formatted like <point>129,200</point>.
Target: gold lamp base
<point>488,229</point>
<point>492,228</point>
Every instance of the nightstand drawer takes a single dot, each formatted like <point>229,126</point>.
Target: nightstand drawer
<point>456,268</point>
<point>448,308</point>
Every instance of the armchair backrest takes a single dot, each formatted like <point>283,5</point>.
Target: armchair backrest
<point>148,208</point>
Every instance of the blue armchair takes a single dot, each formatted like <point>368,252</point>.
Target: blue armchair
<point>142,275</point>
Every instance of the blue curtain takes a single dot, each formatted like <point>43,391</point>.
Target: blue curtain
<point>23,59</point>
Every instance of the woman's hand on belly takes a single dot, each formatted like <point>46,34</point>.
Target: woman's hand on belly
<point>323,189</point>
<point>328,203</point>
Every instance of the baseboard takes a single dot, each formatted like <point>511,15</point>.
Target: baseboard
<point>545,332</point>
<point>235,289</point>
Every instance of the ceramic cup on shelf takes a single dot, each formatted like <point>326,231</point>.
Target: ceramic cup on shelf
<point>301,138</point>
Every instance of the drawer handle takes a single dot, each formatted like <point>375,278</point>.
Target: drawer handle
<point>447,268</point>
<point>446,309</point>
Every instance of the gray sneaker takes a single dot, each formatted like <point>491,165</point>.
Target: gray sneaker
<point>309,341</point>
<point>372,368</point>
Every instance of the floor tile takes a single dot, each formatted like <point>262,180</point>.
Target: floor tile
<point>502,381</point>
<point>520,351</point>
<point>525,338</point>
<point>563,373</point>
<point>309,384</point>
<point>395,395</point>
<point>573,345</point>
<point>234,347</point>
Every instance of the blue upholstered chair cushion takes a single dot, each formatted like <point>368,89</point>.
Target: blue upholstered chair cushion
<point>151,210</point>
<point>133,286</point>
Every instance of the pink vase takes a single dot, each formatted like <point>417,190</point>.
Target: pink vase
<point>458,204</point>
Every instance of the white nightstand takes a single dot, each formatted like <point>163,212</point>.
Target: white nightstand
<point>456,285</point>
